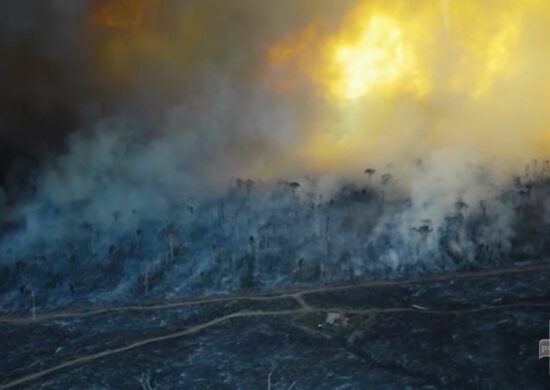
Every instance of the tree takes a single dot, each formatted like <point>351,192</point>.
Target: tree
<point>116,215</point>
<point>483,206</point>
<point>139,233</point>
<point>33,310</point>
<point>370,172</point>
<point>293,186</point>
<point>423,230</point>
<point>90,230</point>
<point>249,185</point>
<point>146,281</point>
<point>170,233</point>
<point>386,179</point>
<point>250,265</point>
<point>327,248</point>
<point>460,205</point>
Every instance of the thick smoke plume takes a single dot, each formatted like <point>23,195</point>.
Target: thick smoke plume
<point>245,144</point>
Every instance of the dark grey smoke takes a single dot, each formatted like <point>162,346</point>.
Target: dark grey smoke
<point>148,145</point>
<point>61,70</point>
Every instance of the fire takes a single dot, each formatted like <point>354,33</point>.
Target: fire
<point>401,79</point>
<point>404,46</point>
<point>378,56</point>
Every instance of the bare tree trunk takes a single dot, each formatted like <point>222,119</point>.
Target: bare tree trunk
<point>269,379</point>
<point>33,306</point>
<point>147,282</point>
<point>138,242</point>
<point>327,248</point>
<point>171,243</point>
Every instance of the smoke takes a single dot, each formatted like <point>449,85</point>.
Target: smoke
<point>70,68</point>
<point>400,83</point>
<point>138,108</point>
<point>145,94</point>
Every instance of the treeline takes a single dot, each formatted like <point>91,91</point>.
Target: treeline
<point>260,236</point>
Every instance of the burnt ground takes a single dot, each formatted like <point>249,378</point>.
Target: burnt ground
<point>476,330</point>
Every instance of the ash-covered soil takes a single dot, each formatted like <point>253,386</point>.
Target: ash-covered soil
<point>475,330</point>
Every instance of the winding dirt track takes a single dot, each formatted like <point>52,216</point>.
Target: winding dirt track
<point>298,295</point>
<point>291,293</point>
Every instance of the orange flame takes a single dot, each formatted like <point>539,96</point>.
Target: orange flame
<point>433,74</point>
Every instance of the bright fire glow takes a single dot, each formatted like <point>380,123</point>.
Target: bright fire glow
<point>404,78</point>
<point>419,46</point>
<point>378,56</point>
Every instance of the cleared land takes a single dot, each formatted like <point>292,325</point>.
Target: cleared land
<point>461,330</point>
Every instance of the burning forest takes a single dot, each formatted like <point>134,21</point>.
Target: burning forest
<point>154,151</point>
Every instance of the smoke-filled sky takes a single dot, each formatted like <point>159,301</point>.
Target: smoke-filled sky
<point>182,94</point>
<point>406,129</point>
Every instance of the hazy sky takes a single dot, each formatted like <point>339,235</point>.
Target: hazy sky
<point>261,88</point>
